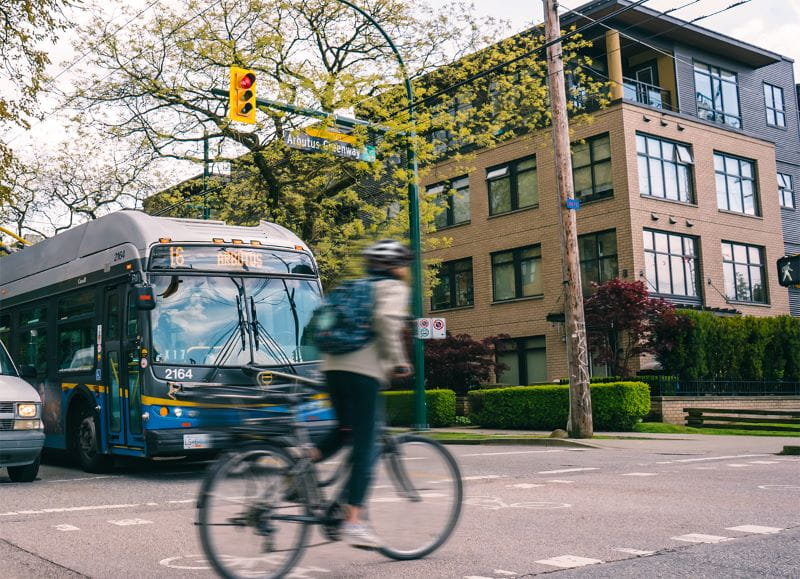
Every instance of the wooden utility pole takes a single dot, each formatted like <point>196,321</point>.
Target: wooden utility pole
<point>579,423</point>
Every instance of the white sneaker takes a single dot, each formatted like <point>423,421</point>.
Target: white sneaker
<point>360,535</point>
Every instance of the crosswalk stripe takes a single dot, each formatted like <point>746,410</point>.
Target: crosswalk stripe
<point>568,561</point>
<point>700,538</point>
<point>755,529</point>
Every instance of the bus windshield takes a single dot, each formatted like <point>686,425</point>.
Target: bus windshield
<point>232,321</point>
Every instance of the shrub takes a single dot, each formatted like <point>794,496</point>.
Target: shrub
<point>615,406</point>
<point>461,363</point>
<point>400,410</point>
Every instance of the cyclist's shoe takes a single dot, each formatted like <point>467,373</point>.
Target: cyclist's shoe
<point>360,535</point>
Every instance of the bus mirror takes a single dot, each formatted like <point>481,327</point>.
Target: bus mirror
<point>145,297</point>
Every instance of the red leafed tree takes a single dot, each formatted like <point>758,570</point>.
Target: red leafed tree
<point>619,320</point>
<point>460,363</point>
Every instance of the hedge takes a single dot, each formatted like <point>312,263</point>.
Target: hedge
<point>615,406</point>
<point>400,409</point>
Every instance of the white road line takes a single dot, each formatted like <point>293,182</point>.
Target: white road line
<point>763,462</point>
<point>700,538</point>
<point>130,522</point>
<point>755,529</point>
<point>502,572</point>
<point>58,480</point>
<point>477,577</point>
<point>640,474</point>
<point>559,471</point>
<point>69,509</point>
<point>563,482</point>
<point>486,476</point>
<point>737,465</point>
<point>706,458</point>
<point>193,500</point>
<point>510,452</point>
<point>568,561</point>
<point>523,486</point>
<point>65,528</point>
<point>633,551</point>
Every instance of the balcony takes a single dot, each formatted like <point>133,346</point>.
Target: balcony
<point>646,94</point>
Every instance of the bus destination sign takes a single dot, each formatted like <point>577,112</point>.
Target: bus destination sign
<point>230,258</point>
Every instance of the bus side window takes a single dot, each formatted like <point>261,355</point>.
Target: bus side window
<point>76,332</point>
<point>32,339</point>
<point>132,319</point>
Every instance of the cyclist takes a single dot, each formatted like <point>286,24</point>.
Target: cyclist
<point>355,379</point>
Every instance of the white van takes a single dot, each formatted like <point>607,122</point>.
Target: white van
<point>21,430</point>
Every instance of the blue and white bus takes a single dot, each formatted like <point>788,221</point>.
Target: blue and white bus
<point>123,315</point>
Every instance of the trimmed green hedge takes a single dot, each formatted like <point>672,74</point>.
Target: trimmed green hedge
<point>400,410</point>
<point>615,406</point>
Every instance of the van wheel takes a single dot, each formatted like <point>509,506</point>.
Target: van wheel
<point>87,444</point>
<point>24,473</point>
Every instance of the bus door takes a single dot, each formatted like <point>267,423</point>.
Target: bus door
<point>121,372</point>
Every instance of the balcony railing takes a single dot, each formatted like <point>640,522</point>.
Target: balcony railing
<point>646,94</point>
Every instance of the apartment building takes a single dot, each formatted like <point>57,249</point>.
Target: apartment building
<point>687,182</point>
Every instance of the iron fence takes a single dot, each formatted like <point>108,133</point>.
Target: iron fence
<point>673,386</point>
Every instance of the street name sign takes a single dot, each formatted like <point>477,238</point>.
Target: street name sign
<point>319,140</point>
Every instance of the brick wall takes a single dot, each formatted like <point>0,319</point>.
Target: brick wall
<point>670,408</point>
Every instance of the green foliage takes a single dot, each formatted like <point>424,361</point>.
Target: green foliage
<point>460,362</point>
<point>400,410</point>
<point>699,345</point>
<point>615,406</point>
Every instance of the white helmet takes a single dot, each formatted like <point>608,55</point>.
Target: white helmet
<point>387,254</point>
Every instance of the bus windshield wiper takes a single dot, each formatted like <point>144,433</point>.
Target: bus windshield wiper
<point>272,346</point>
<point>239,330</point>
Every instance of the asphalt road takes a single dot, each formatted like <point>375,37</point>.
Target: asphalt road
<point>694,507</point>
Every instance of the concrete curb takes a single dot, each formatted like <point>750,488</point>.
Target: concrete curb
<point>792,450</point>
<point>551,442</point>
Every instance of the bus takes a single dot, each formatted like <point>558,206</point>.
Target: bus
<point>124,315</point>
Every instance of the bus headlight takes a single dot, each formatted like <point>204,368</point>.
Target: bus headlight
<point>178,412</point>
<point>27,424</point>
<point>27,410</point>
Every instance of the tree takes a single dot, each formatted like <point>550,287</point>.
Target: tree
<point>27,24</point>
<point>620,317</point>
<point>460,363</point>
<point>156,76</point>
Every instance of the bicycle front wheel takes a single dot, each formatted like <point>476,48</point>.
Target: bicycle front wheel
<point>253,518</point>
<point>416,497</point>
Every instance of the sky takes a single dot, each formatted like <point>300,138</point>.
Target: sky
<point>770,24</point>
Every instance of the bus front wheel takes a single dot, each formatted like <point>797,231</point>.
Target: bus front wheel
<point>87,443</point>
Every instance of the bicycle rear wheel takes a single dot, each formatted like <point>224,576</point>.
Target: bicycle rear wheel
<point>416,497</point>
<point>253,518</point>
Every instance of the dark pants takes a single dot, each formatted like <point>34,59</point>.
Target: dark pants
<point>355,400</point>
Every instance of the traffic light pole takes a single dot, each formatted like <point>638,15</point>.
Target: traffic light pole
<point>412,166</point>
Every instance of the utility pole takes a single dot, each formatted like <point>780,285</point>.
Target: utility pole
<point>579,423</point>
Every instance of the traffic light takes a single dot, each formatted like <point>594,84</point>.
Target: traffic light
<point>789,270</point>
<point>242,95</point>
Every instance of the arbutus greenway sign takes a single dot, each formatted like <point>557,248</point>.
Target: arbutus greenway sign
<point>320,140</point>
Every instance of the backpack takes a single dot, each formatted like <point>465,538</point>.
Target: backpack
<point>343,323</point>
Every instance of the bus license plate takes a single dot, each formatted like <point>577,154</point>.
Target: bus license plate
<point>196,441</point>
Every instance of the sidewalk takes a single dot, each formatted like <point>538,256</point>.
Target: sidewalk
<point>655,442</point>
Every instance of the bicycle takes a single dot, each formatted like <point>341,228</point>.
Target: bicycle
<point>259,502</point>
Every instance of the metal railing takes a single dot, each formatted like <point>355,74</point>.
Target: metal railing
<point>672,386</point>
<point>646,94</point>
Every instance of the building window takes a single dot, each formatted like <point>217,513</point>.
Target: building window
<point>785,190</point>
<point>717,95</point>
<point>743,267</point>
<point>671,265</point>
<point>598,253</point>
<point>591,168</point>
<point>525,360</point>
<point>512,186</point>
<point>665,169</point>
<point>453,197</point>
<point>517,273</point>
<point>736,184</point>
<point>773,100</point>
<point>455,285</point>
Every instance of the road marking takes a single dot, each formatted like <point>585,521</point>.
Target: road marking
<point>58,480</point>
<point>563,482</point>
<point>510,452</point>
<point>130,522</point>
<point>476,577</point>
<point>191,501</point>
<point>756,529</point>
<point>559,471</point>
<point>706,458</point>
<point>69,509</point>
<point>640,474</point>
<point>496,503</point>
<point>633,551</point>
<point>568,561</point>
<point>523,486</point>
<point>501,572</point>
<point>705,468</point>
<point>486,476</point>
<point>700,538</point>
<point>763,462</point>
<point>778,487</point>
<point>736,465</point>
<point>65,528</point>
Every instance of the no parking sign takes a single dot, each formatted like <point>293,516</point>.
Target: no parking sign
<point>431,328</point>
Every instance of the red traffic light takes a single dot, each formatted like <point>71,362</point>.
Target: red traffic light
<point>247,80</point>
